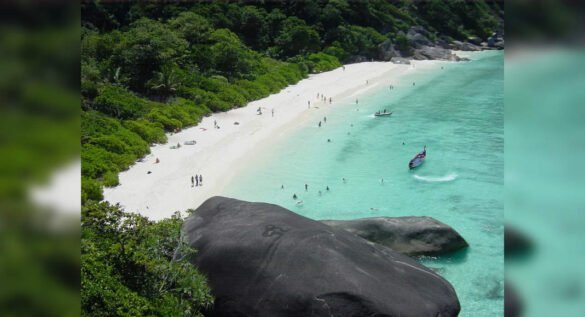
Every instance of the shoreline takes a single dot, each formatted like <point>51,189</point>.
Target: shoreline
<point>221,154</point>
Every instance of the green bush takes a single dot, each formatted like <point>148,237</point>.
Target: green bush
<point>127,266</point>
<point>110,179</point>
<point>323,62</point>
<point>119,103</point>
<point>151,132</point>
<point>90,190</point>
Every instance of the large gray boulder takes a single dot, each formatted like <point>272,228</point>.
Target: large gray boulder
<point>407,235</point>
<point>264,260</point>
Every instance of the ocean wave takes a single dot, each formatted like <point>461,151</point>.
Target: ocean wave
<point>447,178</point>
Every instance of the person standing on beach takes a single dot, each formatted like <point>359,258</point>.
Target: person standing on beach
<point>325,119</point>
<point>192,181</point>
<point>329,100</point>
<point>319,124</point>
<point>306,187</point>
<point>196,181</point>
<point>273,112</point>
<point>309,103</point>
<point>200,180</point>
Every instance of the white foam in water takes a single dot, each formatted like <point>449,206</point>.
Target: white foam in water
<point>446,178</point>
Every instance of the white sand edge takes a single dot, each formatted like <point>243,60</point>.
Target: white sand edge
<point>219,153</point>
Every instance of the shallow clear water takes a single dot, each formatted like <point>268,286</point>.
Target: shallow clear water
<point>457,112</point>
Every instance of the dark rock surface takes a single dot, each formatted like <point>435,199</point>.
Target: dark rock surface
<point>407,235</point>
<point>264,260</point>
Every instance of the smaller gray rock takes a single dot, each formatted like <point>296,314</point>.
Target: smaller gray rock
<point>400,60</point>
<point>499,45</point>
<point>475,40</point>
<point>408,235</point>
<point>436,53</point>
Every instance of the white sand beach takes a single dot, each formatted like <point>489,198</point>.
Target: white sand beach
<point>219,154</point>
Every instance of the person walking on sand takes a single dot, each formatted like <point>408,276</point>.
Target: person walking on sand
<point>196,181</point>
<point>309,103</point>
<point>200,180</point>
<point>192,181</point>
<point>330,100</point>
<point>215,124</point>
<point>273,112</point>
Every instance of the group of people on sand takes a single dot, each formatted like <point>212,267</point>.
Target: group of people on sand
<point>323,98</point>
<point>196,180</point>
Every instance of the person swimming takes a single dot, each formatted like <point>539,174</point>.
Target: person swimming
<point>295,196</point>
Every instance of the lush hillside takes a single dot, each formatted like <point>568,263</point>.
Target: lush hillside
<point>147,69</point>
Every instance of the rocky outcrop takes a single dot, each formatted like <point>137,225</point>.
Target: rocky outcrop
<point>436,53</point>
<point>407,235</point>
<point>418,37</point>
<point>264,260</point>
<point>387,51</point>
<point>464,46</point>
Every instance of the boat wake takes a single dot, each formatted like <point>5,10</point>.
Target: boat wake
<point>446,178</point>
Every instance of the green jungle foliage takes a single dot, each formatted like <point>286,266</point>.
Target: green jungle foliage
<point>149,68</point>
<point>127,266</point>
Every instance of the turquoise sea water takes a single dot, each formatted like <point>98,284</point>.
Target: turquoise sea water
<point>458,113</point>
